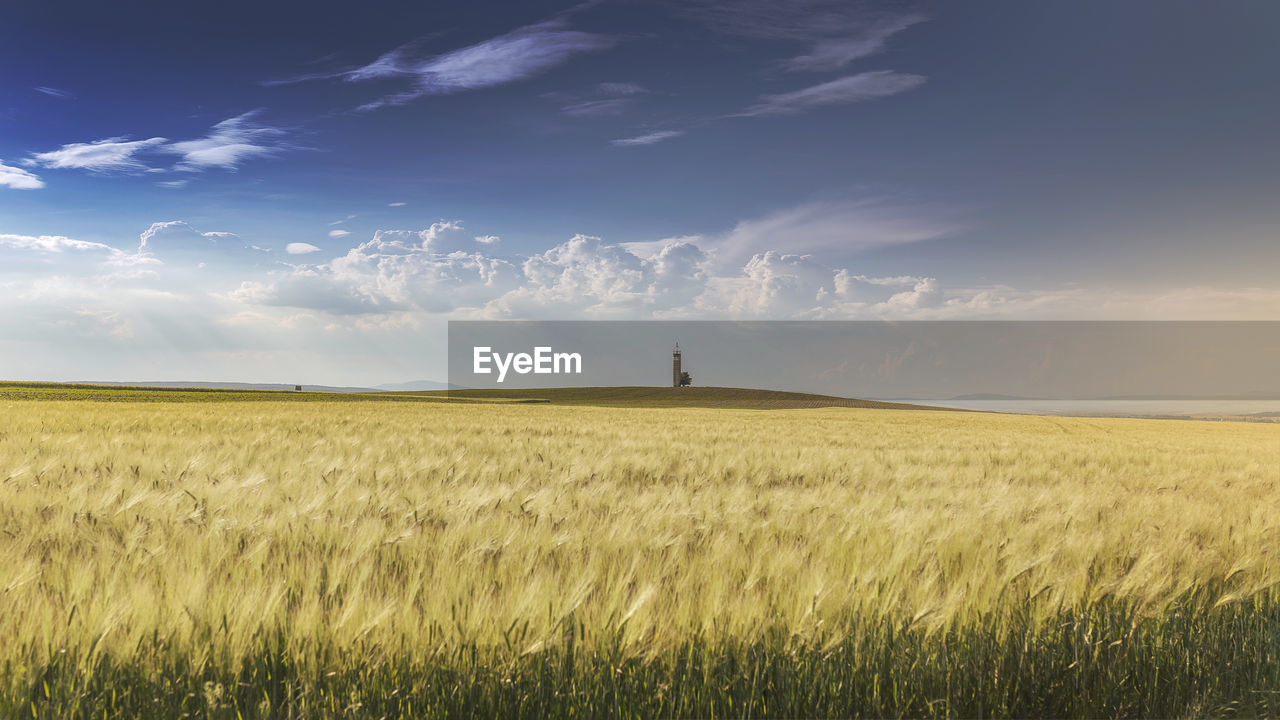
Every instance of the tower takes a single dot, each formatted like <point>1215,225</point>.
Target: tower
<point>675,366</point>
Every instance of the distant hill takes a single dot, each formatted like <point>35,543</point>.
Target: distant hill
<point>619,397</point>
<point>993,396</point>
<point>711,397</point>
<point>415,386</point>
<point>224,385</point>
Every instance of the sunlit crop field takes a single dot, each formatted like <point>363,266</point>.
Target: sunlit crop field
<point>338,559</point>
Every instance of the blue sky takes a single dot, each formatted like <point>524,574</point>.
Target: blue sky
<point>281,191</point>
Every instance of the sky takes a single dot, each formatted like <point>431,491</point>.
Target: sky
<point>308,192</point>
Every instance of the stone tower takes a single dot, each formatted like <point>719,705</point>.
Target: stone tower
<point>675,366</point>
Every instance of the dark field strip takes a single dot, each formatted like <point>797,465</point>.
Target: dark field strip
<point>125,393</point>
<point>659,397</point>
<point>1188,662</point>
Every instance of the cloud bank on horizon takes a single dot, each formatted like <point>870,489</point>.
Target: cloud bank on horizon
<point>755,159</point>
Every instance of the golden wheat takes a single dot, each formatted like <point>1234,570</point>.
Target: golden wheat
<point>134,532</point>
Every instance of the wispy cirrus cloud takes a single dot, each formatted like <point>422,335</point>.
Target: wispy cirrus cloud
<point>610,98</point>
<point>836,31</point>
<point>517,55</point>
<point>114,154</point>
<point>854,88</point>
<point>59,244</point>
<point>597,108</point>
<point>50,243</point>
<point>19,179</point>
<point>835,53</point>
<point>53,92</point>
<point>228,144</point>
<point>648,139</point>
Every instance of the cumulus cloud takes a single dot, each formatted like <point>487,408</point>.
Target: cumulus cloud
<point>649,139</point>
<point>428,271</point>
<point>228,144</point>
<point>395,271</point>
<point>114,154</point>
<point>443,268</point>
<point>18,179</point>
<point>300,248</point>
<point>587,276</point>
<point>854,88</point>
<point>178,243</point>
<point>517,55</point>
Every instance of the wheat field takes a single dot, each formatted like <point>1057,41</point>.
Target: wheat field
<point>363,559</point>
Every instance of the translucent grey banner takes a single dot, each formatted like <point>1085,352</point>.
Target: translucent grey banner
<point>1084,360</point>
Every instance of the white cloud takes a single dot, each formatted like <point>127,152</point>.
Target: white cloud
<point>737,274</point>
<point>649,139</point>
<point>58,244</point>
<point>53,92</point>
<point>442,238</point>
<point>114,154</point>
<point>586,276</point>
<point>173,184</point>
<point>229,144</point>
<point>339,233</point>
<point>180,244</point>
<point>50,243</point>
<point>517,55</point>
<point>851,89</point>
<point>19,179</point>
<point>396,204</point>
<point>396,271</point>
<point>300,248</point>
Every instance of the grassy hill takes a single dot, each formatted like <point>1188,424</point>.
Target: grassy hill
<point>647,397</point>
<point>657,397</point>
